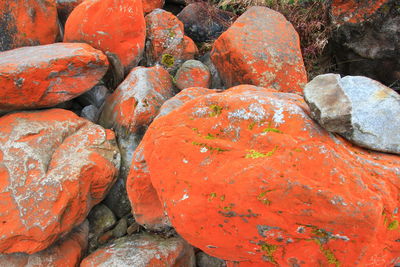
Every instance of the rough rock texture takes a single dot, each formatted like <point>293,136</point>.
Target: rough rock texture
<point>260,48</point>
<point>367,39</point>
<point>203,22</point>
<point>90,113</point>
<point>114,26</point>
<point>150,5</point>
<point>54,166</point>
<point>95,96</point>
<point>166,43</point>
<point>216,82</point>
<point>65,7</point>
<point>359,108</point>
<point>204,260</point>
<point>43,76</point>
<point>193,73</point>
<point>66,252</point>
<point>27,22</point>
<point>247,175</point>
<point>146,206</point>
<point>143,251</point>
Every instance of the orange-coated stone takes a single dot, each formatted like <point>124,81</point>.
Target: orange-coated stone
<point>166,43</point>
<point>54,166</point>
<point>46,75</point>
<point>27,22</point>
<point>143,250</point>
<point>114,26</point>
<point>66,252</point>
<point>193,73</point>
<point>247,175</point>
<point>353,11</point>
<point>261,48</point>
<point>150,5</point>
<point>65,7</point>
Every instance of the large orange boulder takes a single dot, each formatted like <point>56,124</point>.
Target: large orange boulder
<point>146,206</point>
<point>66,252</point>
<point>54,167</point>
<point>27,22</point>
<point>166,43</point>
<point>150,5</point>
<point>43,76</point>
<point>113,26</point>
<point>143,250</point>
<point>247,175</point>
<point>261,48</point>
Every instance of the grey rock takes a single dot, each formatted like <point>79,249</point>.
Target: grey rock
<point>216,81</point>
<point>95,96</point>
<point>101,219</point>
<point>183,80</point>
<point>90,113</point>
<point>117,199</point>
<point>121,228</point>
<point>205,260</point>
<point>362,110</point>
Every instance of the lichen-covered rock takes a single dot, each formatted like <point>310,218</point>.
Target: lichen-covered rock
<point>46,75</point>
<point>27,22</point>
<point>143,250</point>
<point>362,110</point>
<point>166,43</point>
<point>261,48</point>
<point>54,167</point>
<point>353,11</point>
<point>65,7</point>
<point>66,252</point>
<point>146,206</point>
<point>204,260</point>
<point>150,5</point>
<point>193,73</point>
<point>113,26</point>
<point>247,175</point>
<point>216,81</point>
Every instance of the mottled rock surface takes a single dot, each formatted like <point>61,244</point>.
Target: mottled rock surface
<point>46,75</point>
<point>150,5</point>
<point>359,108</point>
<point>54,167</point>
<point>65,7</point>
<point>193,73</point>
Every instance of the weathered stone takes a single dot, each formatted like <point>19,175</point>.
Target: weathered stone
<point>142,251</point>
<point>101,219</point>
<point>46,75</point>
<point>193,73</point>
<point>121,228</point>
<point>117,199</point>
<point>90,113</point>
<point>204,260</point>
<point>216,81</point>
<point>261,48</point>
<point>150,5</point>
<point>27,22</point>
<point>54,167</point>
<point>360,109</point>
<point>65,7</point>
<point>95,96</point>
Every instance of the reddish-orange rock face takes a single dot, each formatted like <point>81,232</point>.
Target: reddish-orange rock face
<point>167,43</point>
<point>146,206</point>
<point>67,251</point>
<point>115,26</point>
<point>247,175</point>
<point>54,166</point>
<point>353,11</point>
<point>261,48</point>
<point>43,76</point>
<point>150,5</point>
<point>193,73</point>
<point>27,22</point>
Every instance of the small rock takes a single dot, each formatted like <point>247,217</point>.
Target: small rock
<point>143,250</point>
<point>133,228</point>
<point>90,113</point>
<point>360,109</point>
<point>121,228</point>
<point>193,73</point>
<point>95,96</point>
<point>101,219</point>
<point>205,260</point>
<point>150,5</point>
<point>216,81</point>
<point>117,199</point>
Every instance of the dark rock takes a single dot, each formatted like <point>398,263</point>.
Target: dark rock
<point>101,219</point>
<point>90,113</point>
<point>117,199</point>
<point>121,228</point>
<point>216,81</point>
<point>95,96</point>
<point>205,260</point>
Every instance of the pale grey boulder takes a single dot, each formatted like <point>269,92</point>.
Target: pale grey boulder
<point>360,109</point>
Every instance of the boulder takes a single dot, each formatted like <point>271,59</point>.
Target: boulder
<point>247,175</point>
<point>150,5</point>
<point>204,260</point>
<point>65,7</point>
<point>193,73</point>
<point>143,250</point>
<point>44,76</point>
<point>360,109</point>
<point>204,22</point>
<point>166,43</point>
<point>54,167</point>
<point>27,22</point>
<point>95,96</point>
<point>261,48</point>
<point>113,26</point>
<point>90,113</point>
<point>216,82</point>
<point>67,251</point>
<point>146,206</point>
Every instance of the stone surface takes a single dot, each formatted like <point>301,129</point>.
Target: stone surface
<point>101,219</point>
<point>43,76</point>
<point>146,206</point>
<point>65,252</point>
<point>117,199</point>
<point>204,260</point>
<point>204,22</point>
<point>261,48</point>
<point>166,43</point>
<point>353,11</point>
<point>114,26</point>
<point>95,96</point>
<point>193,73</point>
<point>359,108</point>
<point>216,81</point>
<point>65,7</point>
<point>27,22</point>
<point>247,175</point>
<point>90,113</point>
<point>121,228</point>
<point>150,5</point>
<point>143,250</point>
<point>54,167</point>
